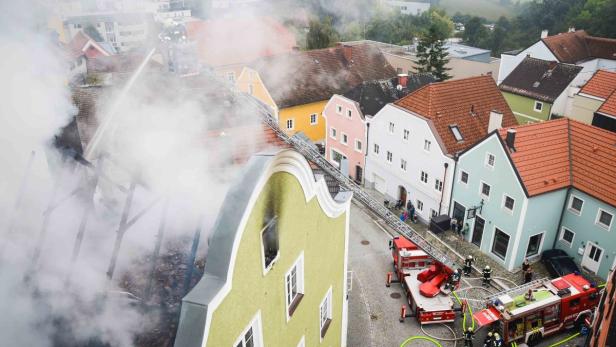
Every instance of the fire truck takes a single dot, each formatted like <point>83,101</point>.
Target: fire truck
<point>544,309</point>
<point>422,279</point>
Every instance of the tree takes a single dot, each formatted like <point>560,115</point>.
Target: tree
<point>321,34</point>
<point>499,36</point>
<point>432,55</point>
<point>475,34</point>
<point>91,31</point>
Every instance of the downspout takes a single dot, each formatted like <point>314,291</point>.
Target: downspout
<point>440,204</point>
<point>363,178</point>
<point>562,212</point>
<point>455,166</point>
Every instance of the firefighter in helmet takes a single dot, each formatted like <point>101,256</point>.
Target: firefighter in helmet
<point>454,279</point>
<point>487,276</point>
<point>489,340</point>
<point>468,263</point>
<point>497,342</point>
<point>469,335</point>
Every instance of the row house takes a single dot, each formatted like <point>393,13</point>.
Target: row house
<point>413,142</point>
<point>595,103</point>
<point>529,188</point>
<point>347,116</point>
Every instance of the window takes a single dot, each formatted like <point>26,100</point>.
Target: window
<point>390,156</point>
<point>604,219</point>
<point>376,149</point>
<point>424,177</point>
<point>332,133</point>
<point>345,139</point>
<point>358,145</point>
<point>534,244</point>
<point>405,135</point>
<point>313,119</point>
<point>427,145</point>
<point>338,109</point>
<point>231,76</point>
<point>464,177</point>
<point>420,205</point>
<point>500,244</point>
<point>508,203</point>
<point>289,124</point>
<point>485,190</point>
<point>250,89</point>
<point>538,106</point>
<point>251,336</point>
<point>438,185</point>
<point>326,313</point>
<point>349,113</point>
<point>433,213</point>
<point>403,164</point>
<point>576,204</point>
<point>456,132</point>
<point>294,285</point>
<point>567,236</point>
<point>391,127</point>
<point>269,239</point>
<point>490,160</point>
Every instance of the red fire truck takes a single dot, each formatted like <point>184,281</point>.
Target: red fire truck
<point>422,279</point>
<point>546,308</point>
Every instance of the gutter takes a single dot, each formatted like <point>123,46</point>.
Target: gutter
<point>453,186</point>
<point>562,213</point>
<point>440,204</point>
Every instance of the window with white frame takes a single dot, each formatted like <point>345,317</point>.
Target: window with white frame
<point>427,144</point>
<point>420,205</point>
<point>438,185</point>
<point>376,148</point>
<point>391,127</point>
<point>294,285</point>
<point>344,139</point>
<point>576,204</point>
<point>424,177</point>
<point>326,313</point>
<point>313,119</point>
<point>464,177</point>
<point>390,156</point>
<point>490,160</point>
<point>403,164</point>
<point>332,133</point>
<point>358,145</point>
<point>349,113</point>
<point>604,219</point>
<point>338,109</point>
<point>567,236</point>
<point>538,106</point>
<point>290,124</point>
<point>485,190</point>
<point>252,335</point>
<point>508,203</point>
<point>269,239</point>
<point>455,130</point>
<point>405,135</point>
<point>500,243</point>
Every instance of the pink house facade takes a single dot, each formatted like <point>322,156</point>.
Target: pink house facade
<point>345,142</point>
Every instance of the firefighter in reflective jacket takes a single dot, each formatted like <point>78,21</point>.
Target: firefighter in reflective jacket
<point>489,340</point>
<point>487,275</point>
<point>468,263</point>
<point>454,279</point>
<point>469,335</point>
<point>497,342</point>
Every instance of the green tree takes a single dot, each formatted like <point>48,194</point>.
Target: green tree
<point>475,34</point>
<point>498,39</point>
<point>91,31</point>
<point>432,55</point>
<point>321,34</point>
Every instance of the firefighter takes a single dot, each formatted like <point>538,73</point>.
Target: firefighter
<point>497,342</point>
<point>525,267</point>
<point>454,279</point>
<point>468,263</point>
<point>528,275</point>
<point>489,340</point>
<point>487,276</point>
<point>469,335</point>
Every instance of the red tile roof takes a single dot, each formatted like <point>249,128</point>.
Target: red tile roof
<point>573,47</point>
<point>602,84</point>
<point>560,153</point>
<point>465,102</point>
<point>609,106</point>
<point>227,41</point>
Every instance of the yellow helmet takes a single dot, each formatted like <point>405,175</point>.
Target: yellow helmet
<point>470,329</point>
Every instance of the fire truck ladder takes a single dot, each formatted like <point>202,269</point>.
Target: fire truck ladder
<point>312,154</point>
<point>515,291</point>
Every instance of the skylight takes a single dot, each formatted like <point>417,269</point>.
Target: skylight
<point>456,132</point>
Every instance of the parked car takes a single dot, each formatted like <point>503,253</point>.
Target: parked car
<point>558,263</point>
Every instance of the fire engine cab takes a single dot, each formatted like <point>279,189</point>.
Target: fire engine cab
<point>546,308</point>
<point>422,279</point>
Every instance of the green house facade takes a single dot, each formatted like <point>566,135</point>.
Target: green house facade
<point>528,110</point>
<point>276,269</point>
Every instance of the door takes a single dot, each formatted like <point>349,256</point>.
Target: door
<point>379,184</point>
<point>478,230</point>
<point>402,194</point>
<point>592,257</point>
<point>358,173</point>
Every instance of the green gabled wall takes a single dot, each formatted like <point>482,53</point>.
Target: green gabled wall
<point>524,108</point>
<point>303,227</point>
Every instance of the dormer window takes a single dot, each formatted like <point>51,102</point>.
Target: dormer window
<point>269,239</point>
<point>456,133</point>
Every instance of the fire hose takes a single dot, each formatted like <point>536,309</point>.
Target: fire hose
<point>454,340</point>
<point>426,338</point>
<point>470,310</point>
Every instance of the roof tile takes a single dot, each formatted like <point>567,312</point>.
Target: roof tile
<point>573,47</point>
<point>602,84</point>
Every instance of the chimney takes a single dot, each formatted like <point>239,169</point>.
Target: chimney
<point>510,140</point>
<point>544,33</point>
<point>496,121</point>
<point>571,29</point>
<point>403,79</point>
<point>348,52</point>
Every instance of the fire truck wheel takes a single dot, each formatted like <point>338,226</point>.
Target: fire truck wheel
<point>534,339</point>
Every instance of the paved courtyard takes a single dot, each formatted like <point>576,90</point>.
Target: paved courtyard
<point>374,309</point>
